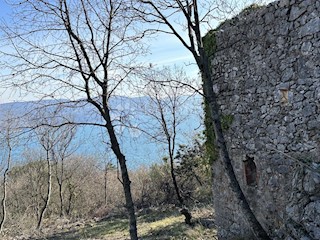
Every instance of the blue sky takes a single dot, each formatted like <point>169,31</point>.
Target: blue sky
<point>166,51</point>
<point>4,9</point>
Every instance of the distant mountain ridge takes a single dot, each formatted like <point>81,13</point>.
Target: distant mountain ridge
<point>137,146</point>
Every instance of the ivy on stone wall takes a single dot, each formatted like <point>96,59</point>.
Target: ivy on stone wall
<point>209,44</point>
<point>212,154</point>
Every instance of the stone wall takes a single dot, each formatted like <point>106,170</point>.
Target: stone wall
<point>267,75</point>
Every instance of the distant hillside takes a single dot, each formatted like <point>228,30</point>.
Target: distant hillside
<point>139,148</point>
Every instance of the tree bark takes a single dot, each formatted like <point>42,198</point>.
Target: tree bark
<point>70,199</point>
<point>105,185</point>
<point>61,199</point>
<point>184,211</point>
<point>3,200</point>
<point>4,196</point>
<point>175,184</point>
<point>60,181</point>
<point>48,193</point>
<point>125,176</point>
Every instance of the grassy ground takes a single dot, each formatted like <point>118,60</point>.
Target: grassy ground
<point>152,225</point>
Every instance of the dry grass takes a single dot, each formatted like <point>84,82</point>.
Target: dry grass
<point>154,224</point>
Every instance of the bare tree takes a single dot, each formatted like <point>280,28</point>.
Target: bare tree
<point>60,152</point>
<point>105,166</point>
<point>29,184</point>
<point>4,183</point>
<point>184,19</point>
<point>6,139</point>
<point>164,115</point>
<point>77,50</point>
<point>47,138</point>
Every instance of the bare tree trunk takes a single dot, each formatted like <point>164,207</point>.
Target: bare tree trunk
<point>167,101</point>
<point>175,184</point>
<point>60,152</point>
<point>184,211</point>
<point>61,199</point>
<point>4,196</point>
<point>48,193</point>
<point>60,182</point>
<point>70,198</point>
<point>124,174</point>
<point>105,185</point>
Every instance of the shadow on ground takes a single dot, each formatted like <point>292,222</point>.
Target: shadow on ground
<point>168,232</point>
<point>97,230</point>
<point>152,215</point>
<point>151,225</point>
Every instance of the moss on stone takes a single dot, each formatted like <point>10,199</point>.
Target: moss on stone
<point>210,46</point>
<point>209,43</point>
<point>212,154</point>
<point>226,121</point>
<point>252,7</point>
<point>233,21</point>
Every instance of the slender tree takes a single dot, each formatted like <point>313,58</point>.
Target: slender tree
<point>6,139</point>
<point>173,15</point>
<point>60,152</point>
<point>164,113</point>
<point>85,49</point>
<point>47,138</point>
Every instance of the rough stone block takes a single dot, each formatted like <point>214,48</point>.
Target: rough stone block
<point>296,12</point>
